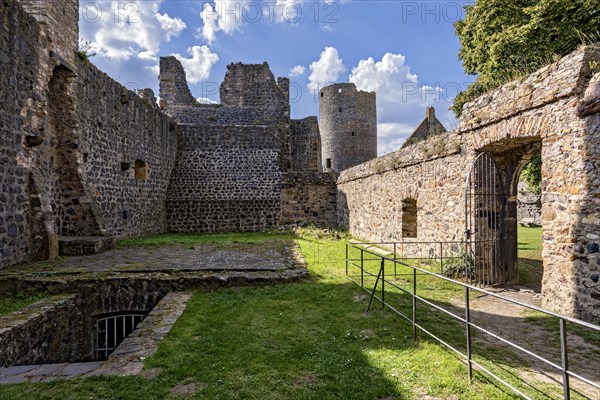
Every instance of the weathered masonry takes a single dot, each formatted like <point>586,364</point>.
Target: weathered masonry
<point>557,110</point>
<point>84,160</point>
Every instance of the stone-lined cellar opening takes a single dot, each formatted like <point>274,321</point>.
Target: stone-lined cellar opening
<point>69,330</point>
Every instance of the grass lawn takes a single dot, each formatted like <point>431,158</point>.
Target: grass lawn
<point>530,267</point>
<point>13,303</point>
<point>305,340</point>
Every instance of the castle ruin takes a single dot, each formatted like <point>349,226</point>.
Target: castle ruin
<point>85,161</point>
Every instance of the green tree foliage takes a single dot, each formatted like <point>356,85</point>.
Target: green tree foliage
<point>504,39</point>
<point>533,173</point>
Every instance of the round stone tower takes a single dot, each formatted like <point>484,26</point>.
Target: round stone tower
<point>348,125</point>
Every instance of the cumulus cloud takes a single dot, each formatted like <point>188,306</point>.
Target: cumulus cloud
<point>325,70</point>
<point>297,70</point>
<point>224,16</point>
<point>128,29</point>
<point>206,100</point>
<point>401,98</point>
<point>198,67</point>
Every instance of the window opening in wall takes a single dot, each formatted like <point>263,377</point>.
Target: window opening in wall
<point>125,166</point>
<point>340,109</point>
<point>322,94</point>
<point>141,170</point>
<point>340,90</point>
<point>352,133</point>
<point>409,218</point>
<point>113,329</point>
<point>328,163</point>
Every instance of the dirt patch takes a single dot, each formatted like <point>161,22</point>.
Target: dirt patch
<point>306,380</point>
<point>185,391</point>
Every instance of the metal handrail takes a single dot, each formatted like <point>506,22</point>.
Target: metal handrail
<point>380,277</point>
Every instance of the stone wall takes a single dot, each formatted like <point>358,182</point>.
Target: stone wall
<point>231,157</point>
<point>22,228</point>
<point>309,198</point>
<point>116,129</point>
<point>306,145</point>
<point>370,195</point>
<point>529,206</point>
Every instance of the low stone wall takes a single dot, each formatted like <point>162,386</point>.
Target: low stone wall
<point>309,198</point>
<point>432,172</point>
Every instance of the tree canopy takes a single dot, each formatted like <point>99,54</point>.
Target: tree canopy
<point>505,39</point>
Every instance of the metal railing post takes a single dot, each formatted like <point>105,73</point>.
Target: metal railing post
<point>441,258</point>
<point>564,356</point>
<point>362,268</point>
<point>347,252</point>
<point>382,282</point>
<point>414,305</point>
<point>395,263</point>
<point>468,332</point>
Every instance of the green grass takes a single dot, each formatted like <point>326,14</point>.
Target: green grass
<point>530,267</point>
<point>11,303</point>
<point>194,239</point>
<point>305,340</point>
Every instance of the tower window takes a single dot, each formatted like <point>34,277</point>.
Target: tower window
<point>340,109</point>
<point>322,94</point>
<point>328,163</point>
<point>340,90</point>
<point>352,133</point>
<point>141,170</point>
<point>409,218</point>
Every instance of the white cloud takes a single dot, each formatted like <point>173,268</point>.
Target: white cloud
<point>224,16</point>
<point>206,100</point>
<point>198,67</point>
<point>325,70</point>
<point>171,26</point>
<point>401,98</point>
<point>147,55</point>
<point>155,69</point>
<point>297,70</point>
<point>127,29</point>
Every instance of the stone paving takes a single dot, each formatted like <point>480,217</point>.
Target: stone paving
<point>263,256</point>
<point>127,359</point>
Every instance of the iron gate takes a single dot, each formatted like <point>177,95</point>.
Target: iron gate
<point>113,329</point>
<point>485,215</point>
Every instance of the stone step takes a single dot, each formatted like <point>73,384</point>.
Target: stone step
<point>85,245</point>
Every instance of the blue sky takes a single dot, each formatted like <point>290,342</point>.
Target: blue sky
<point>406,51</point>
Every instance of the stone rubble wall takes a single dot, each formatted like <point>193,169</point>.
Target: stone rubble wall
<point>306,145</point>
<point>23,234</point>
<point>116,128</point>
<point>309,198</point>
<point>370,195</point>
<point>529,206</point>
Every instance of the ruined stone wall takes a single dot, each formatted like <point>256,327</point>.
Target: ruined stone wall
<point>59,21</point>
<point>306,145</point>
<point>309,199</point>
<point>529,206</point>
<point>348,123</point>
<point>22,229</point>
<point>253,85</point>
<point>116,129</point>
<point>226,178</point>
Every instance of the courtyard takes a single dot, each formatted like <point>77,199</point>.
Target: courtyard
<point>308,339</point>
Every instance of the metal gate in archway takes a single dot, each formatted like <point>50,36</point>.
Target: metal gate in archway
<point>485,223</point>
